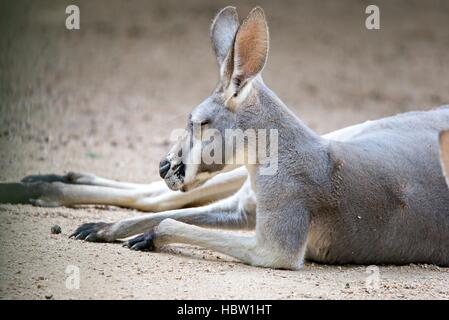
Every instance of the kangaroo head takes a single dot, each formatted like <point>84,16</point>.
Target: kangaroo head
<point>241,51</point>
<point>444,153</point>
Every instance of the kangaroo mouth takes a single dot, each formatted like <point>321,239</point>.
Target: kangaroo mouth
<point>179,170</point>
<point>177,180</point>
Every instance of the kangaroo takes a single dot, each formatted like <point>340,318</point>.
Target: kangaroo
<point>373,193</point>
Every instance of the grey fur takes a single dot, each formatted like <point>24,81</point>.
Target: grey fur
<point>222,32</point>
<point>379,197</point>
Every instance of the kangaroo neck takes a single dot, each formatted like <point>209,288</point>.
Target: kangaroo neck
<point>264,110</point>
<point>301,156</point>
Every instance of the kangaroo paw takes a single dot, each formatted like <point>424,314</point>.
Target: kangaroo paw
<point>143,242</point>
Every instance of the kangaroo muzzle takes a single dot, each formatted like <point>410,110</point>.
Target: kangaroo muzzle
<point>164,167</point>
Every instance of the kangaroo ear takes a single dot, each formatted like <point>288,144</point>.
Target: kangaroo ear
<point>250,48</point>
<point>444,153</point>
<point>222,32</point>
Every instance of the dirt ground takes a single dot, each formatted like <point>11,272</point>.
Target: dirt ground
<point>105,98</point>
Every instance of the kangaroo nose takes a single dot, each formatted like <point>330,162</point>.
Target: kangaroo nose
<point>164,166</point>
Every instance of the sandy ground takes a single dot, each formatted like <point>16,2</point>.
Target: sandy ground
<point>105,98</point>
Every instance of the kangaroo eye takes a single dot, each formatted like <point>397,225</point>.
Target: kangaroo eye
<point>204,122</point>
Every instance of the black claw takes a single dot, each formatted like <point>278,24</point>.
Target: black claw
<point>143,242</point>
<point>82,235</point>
<point>88,231</point>
<point>134,240</point>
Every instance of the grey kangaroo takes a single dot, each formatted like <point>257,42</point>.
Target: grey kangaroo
<point>372,193</point>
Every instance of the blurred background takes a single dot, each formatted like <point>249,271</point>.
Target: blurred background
<point>105,98</point>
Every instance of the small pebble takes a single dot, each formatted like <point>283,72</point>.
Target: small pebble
<point>56,229</point>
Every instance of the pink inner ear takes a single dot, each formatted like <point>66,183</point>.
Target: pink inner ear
<point>444,150</point>
<point>251,45</point>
